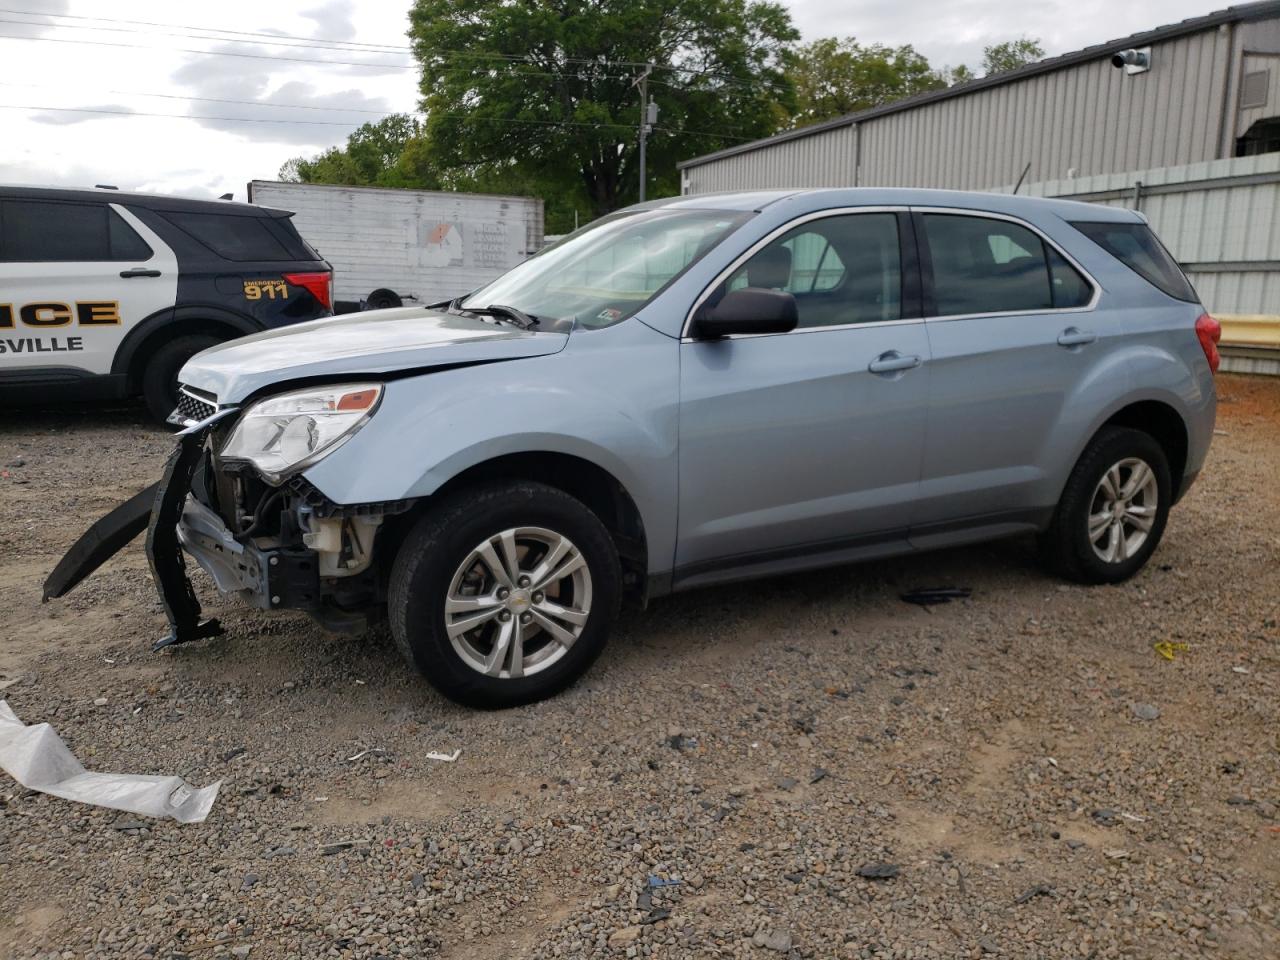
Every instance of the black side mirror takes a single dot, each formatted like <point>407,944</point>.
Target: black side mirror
<point>749,310</point>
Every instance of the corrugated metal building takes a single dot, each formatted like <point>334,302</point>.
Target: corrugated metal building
<point>1193,142</point>
<point>1211,79</point>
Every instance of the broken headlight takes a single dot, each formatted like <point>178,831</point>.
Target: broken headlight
<point>285,433</point>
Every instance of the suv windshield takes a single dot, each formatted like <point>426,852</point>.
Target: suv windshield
<point>605,272</point>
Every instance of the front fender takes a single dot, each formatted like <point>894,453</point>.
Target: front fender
<point>610,397</point>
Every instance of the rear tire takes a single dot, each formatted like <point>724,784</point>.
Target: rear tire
<point>558,624</point>
<point>160,376</point>
<point>1113,511</point>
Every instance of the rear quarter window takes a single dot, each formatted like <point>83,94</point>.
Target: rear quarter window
<point>1136,246</point>
<point>235,238</point>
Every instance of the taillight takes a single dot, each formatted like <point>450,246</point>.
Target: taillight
<point>1209,332</point>
<point>317,284</point>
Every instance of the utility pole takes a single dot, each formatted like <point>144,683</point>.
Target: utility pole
<point>648,117</point>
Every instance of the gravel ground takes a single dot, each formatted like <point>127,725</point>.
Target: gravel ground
<point>804,767</point>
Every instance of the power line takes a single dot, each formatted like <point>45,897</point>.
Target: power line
<point>192,36</point>
<point>263,56</point>
<point>179,116</point>
<point>349,45</point>
<point>213,53</point>
<point>247,103</point>
<point>351,123</point>
<point>182,26</point>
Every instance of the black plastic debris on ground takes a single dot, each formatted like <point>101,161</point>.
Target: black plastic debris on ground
<point>879,871</point>
<point>930,596</point>
<point>1039,890</point>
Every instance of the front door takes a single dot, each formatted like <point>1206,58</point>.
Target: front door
<point>807,442</point>
<point>75,277</point>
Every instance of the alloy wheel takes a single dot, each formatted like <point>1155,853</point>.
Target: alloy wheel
<point>1123,510</point>
<point>518,602</point>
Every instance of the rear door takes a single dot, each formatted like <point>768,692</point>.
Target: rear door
<point>809,442</point>
<point>1012,332</point>
<point>75,277</point>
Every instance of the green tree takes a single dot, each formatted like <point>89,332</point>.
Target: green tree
<point>380,153</point>
<point>1002,57</point>
<point>545,90</point>
<point>950,76</point>
<point>833,77</point>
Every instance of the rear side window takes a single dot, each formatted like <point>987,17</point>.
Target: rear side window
<point>48,230</point>
<point>982,265</point>
<point>1134,245</point>
<point>231,237</point>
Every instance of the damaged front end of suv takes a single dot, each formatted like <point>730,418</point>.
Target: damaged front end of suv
<point>232,497</point>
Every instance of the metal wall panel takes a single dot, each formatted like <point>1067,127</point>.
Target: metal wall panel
<point>1090,119</point>
<point>827,159</point>
<point>1086,119</point>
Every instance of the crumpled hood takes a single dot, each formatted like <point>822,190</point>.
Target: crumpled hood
<point>359,344</point>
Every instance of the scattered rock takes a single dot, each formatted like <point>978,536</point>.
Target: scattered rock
<point>1146,711</point>
<point>779,940</point>
<point>624,936</point>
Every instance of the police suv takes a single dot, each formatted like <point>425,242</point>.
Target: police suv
<point>108,294</point>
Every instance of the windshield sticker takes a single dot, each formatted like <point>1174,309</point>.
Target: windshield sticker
<point>608,313</point>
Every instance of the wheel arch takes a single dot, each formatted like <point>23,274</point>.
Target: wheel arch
<point>597,488</point>
<point>1163,423</point>
<point>149,335</point>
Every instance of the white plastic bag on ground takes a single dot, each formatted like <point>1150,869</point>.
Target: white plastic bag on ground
<point>38,759</point>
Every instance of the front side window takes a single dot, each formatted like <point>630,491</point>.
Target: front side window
<point>982,265</point>
<point>54,230</point>
<point>607,271</point>
<point>841,269</point>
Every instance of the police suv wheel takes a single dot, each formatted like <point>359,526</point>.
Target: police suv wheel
<point>505,594</point>
<point>160,378</point>
<point>1113,511</point>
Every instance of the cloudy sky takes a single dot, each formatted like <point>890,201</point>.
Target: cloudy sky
<point>177,91</point>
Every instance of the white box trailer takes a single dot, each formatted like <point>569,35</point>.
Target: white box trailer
<point>387,245</point>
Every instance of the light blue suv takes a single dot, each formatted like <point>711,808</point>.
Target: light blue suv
<point>688,392</point>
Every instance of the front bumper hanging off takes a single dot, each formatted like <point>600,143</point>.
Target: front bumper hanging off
<point>158,508</point>
<point>164,550</point>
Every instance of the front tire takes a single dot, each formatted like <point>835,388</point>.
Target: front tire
<point>160,376</point>
<point>505,595</point>
<point>1113,511</point>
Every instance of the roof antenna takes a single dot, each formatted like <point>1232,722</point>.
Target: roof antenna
<point>1025,171</point>
<point>105,186</point>
<point>225,196</point>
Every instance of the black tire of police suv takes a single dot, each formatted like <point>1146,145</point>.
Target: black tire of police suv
<point>160,377</point>
<point>438,544</point>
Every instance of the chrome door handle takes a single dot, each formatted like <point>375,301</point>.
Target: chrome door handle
<point>1071,337</point>
<point>892,362</point>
